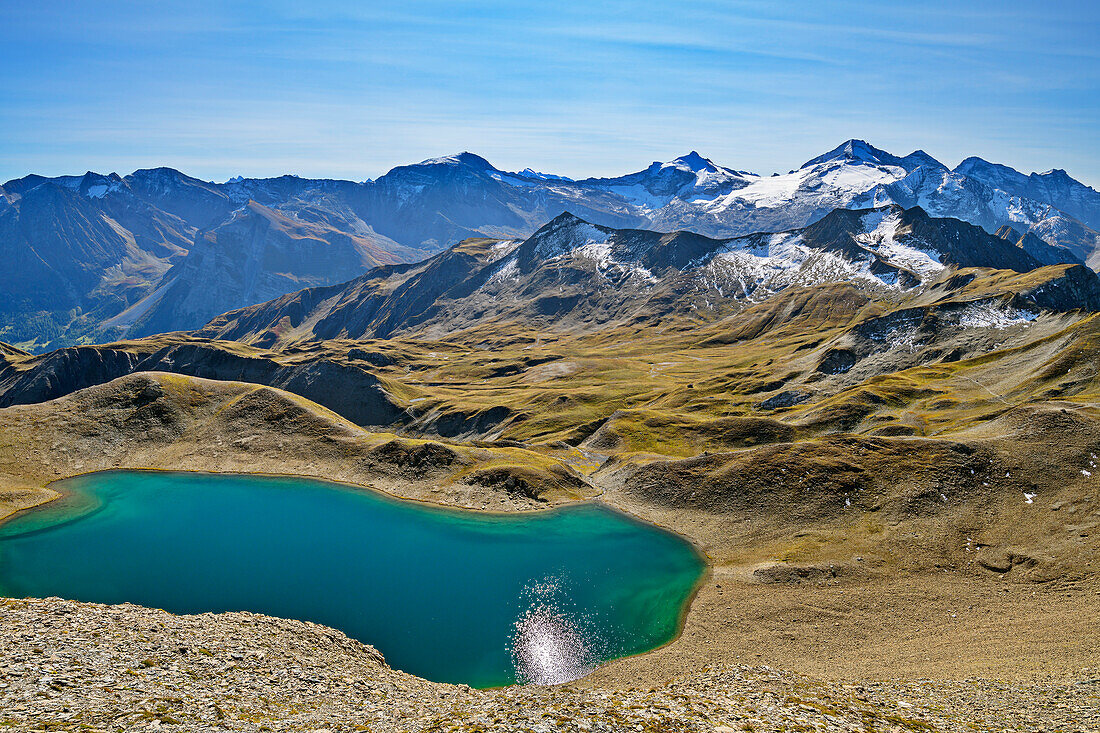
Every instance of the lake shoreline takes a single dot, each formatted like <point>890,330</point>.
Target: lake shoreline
<point>266,493</point>
<point>867,595</point>
<point>701,582</point>
<point>19,508</point>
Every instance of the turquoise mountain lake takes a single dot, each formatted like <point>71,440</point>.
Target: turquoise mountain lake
<point>450,595</point>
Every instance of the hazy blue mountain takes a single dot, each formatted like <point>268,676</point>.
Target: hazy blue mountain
<point>95,256</point>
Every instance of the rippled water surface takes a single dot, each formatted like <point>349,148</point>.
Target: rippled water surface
<point>449,595</point>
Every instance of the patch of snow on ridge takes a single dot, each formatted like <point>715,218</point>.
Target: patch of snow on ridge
<point>860,178</point>
<point>500,250</point>
<point>835,181</point>
<point>514,180</point>
<point>993,315</point>
<point>705,178</point>
<point>763,191</point>
<point>880,236</point>
<point>97,191</point>
<point>507,272</point>
<point>640,196</point>
<point>530,173</point>
<point>569,237</point>
<point>442,160</point>
<point>587,242</point>
<point>601,254</point>
<point>776,262</point>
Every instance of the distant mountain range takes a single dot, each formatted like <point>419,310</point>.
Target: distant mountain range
<point>904,289</point>
<point>95,257</point>
<point>572,275</point>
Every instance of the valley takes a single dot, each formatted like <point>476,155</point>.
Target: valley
<point>879,426</point>
<point>493,367</point>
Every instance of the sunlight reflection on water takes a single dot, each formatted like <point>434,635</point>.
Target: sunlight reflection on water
<point>549,646</point>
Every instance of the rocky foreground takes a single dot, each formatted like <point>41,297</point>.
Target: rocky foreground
<point>88,667</point>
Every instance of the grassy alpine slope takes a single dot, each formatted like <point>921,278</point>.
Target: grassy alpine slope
<point>889,485</point>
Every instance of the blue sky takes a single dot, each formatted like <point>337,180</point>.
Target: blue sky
<point>350,89</point>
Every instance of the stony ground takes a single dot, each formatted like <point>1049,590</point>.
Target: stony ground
<point>87,667</point>
<point>898,590</point>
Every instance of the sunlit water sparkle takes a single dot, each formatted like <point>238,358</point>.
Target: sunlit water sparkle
<point>551,645</point>
<point>453,596</point>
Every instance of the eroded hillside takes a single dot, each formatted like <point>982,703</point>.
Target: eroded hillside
<point>886,444</point>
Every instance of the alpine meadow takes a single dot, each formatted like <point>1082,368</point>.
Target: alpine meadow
<point>732,442</point>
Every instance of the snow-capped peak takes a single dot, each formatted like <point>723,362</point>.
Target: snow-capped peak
<point>460,159</point>
<point>862,152</point>
<point>97,185</point>
<point>919,158</point>
<point>530,173</point>
<point>692,161</point>
<point>880,236</point>
<point>1058,173</point>
<point>855,150</point>
<point>983,168</point>
<point>562,235</point>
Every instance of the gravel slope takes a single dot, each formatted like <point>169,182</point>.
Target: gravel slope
<point>87,667</point>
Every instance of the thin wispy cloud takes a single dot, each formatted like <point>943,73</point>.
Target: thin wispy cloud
<point>349,88</point>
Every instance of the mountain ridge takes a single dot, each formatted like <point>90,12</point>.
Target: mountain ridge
<point>129,237</point>
<point>577,276</point>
